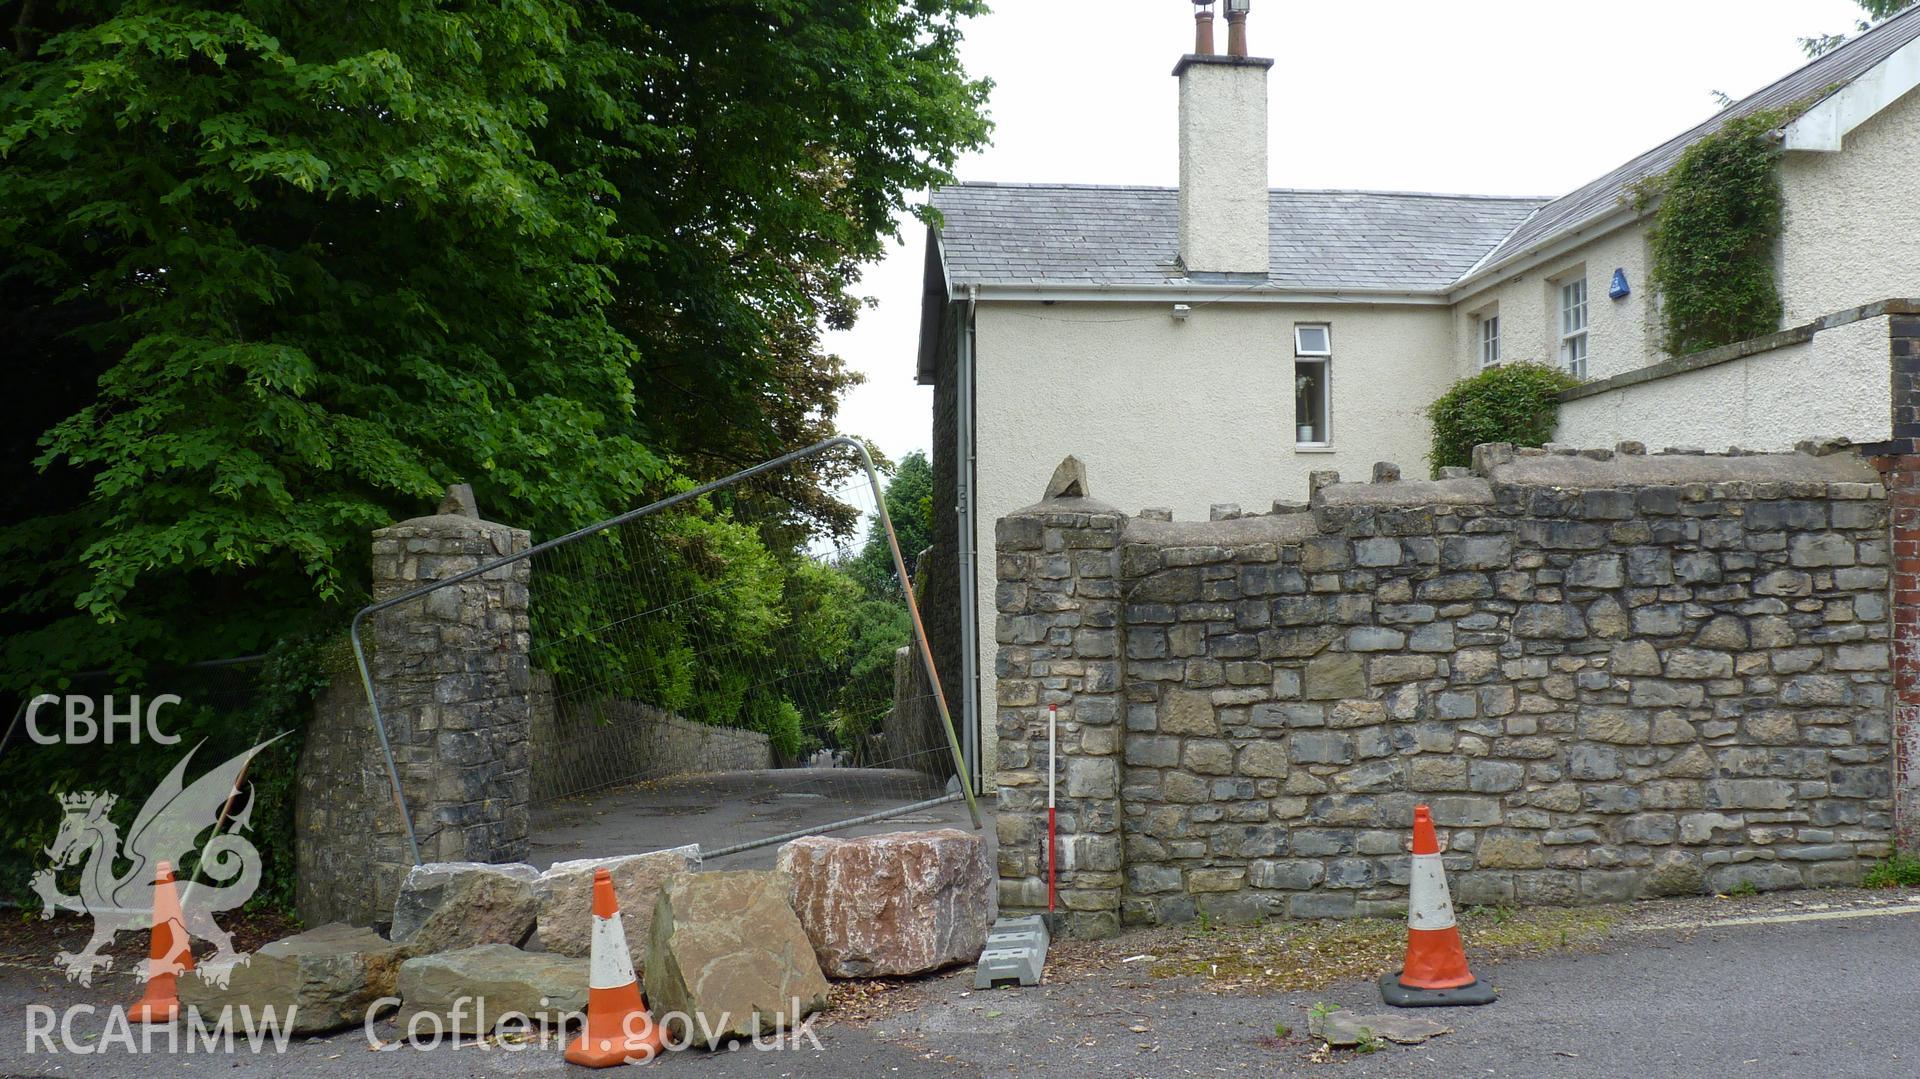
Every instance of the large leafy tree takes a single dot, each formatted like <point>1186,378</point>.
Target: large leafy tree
<point>1821,44</point>
<point>282,271</point>
<point>909,498</point>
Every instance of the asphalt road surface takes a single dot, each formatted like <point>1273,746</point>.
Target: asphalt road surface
<point>1825,997</point>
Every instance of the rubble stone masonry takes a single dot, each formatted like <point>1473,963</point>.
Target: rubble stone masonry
<point>1610,674</point>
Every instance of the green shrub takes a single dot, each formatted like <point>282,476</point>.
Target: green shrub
<point>1517,403</point>
<point>1713,236</point>
<point>1897,871</point>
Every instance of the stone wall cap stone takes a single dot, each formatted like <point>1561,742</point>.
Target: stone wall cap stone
<point>1461,492</point>
<point>1233,532</point>
<point>440,524</point>
<point>1630,470</point>
<point>1066,505</point>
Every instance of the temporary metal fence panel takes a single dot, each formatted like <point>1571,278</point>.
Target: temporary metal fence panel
<point>687,665</point>
<point>126,729</point>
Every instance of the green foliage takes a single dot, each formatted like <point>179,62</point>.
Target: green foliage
<point>279,276</point>
<point>223,712</point>
<point>1718,217</point>
<point>278,273</point>
<point>909,499</point>
<point>1517,403</point>
<point>1821,44</point>
<point>1897,870</point>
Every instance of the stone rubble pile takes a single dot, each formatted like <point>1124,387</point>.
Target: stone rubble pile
<point>477,945</point>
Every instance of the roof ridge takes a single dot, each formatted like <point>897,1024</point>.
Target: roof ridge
<point>1524,239</point>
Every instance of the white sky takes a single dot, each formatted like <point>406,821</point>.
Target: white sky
<point>1499,97</point>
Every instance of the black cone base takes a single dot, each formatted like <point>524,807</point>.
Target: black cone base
<point>1401,996</point>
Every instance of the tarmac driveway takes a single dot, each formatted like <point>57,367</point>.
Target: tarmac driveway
<point>1790,990</point>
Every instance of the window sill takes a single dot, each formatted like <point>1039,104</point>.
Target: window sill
<point>1313,447</point>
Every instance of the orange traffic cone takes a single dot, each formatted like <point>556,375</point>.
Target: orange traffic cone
<point>1436,973</point>
<point>168,958</point>
<point>618,1030</point>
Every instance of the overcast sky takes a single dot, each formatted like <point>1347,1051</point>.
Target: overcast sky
<point>1501,97</point>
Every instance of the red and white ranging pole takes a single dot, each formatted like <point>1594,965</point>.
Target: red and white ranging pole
<point>1053,752</point>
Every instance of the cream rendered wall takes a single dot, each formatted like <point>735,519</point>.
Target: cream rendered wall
<point>1852,233</point>
<point>1832,386</point>
<point>1621,334</point>
<point>1183,414</point>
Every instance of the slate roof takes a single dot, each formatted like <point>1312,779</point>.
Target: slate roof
<point>1066,234</point>
<point>1071,234</point>
<point>1807,85</point>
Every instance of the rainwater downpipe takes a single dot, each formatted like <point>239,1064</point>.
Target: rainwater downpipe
<point>969,578</point>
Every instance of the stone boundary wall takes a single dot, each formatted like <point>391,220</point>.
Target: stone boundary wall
<point>638,741</point>
<point>1610,674</point>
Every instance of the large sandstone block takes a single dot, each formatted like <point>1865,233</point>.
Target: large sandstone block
<point>728,958</point>
<point>447,905</point>
<point>903,903</point>
<point>565,897</point>
<point>320,980</point>
<point>473,989</point>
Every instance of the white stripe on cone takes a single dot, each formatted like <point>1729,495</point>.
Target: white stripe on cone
<point>610,967</point>
<point>1428,904</point>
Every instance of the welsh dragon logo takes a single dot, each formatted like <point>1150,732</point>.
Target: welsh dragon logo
<point>168,827</point>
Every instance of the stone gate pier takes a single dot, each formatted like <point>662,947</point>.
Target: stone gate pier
<point>453,673</point>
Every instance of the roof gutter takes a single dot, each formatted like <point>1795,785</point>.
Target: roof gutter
<point>1531,258</point>
<point>1203,293</point>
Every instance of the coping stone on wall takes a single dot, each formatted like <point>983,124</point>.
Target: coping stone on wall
<point>1675,468</point>
<point>1467,492</point>
<point>1233,532</point>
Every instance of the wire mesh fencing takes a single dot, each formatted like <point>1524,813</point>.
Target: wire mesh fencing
<point>732,666</point>
<point>119,733</point>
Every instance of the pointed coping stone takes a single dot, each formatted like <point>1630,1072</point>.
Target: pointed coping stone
<point>459,502</point>
<point>1069,480</point>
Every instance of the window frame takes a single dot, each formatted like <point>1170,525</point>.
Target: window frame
<point>1487,337</point>
<point>1320,362</point>
<point>1326,335</point>
<point>1575,341</point>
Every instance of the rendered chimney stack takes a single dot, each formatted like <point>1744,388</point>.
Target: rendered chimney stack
<point>1223,151</point>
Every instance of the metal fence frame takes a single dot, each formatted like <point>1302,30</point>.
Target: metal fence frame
<point>899,565</point>
<point>27,699</point>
